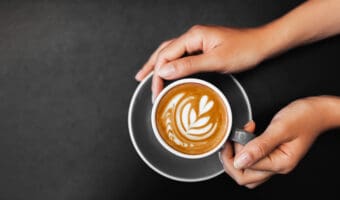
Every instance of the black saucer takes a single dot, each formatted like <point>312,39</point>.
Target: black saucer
<point>166,163</point>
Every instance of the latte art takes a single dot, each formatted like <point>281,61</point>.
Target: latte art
<point>192,124</point>
<point>191,118</point>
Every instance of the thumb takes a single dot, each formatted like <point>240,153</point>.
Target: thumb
<point>258,148</point>
<point>188,65</point>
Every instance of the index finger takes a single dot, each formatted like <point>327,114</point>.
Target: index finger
<point>189,42</point>
<point>150,64</point>
<point>249,127</point>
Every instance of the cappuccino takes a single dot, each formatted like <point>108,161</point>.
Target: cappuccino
<point>192,118</point>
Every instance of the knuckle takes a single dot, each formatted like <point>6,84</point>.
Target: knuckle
<point>241,181</point>
<point>259,149</point>
<point>164,43</point>
<point>178,66</point>
<point>287,166</point>
<point>161,56</point>
<point>182,66</point>
<point>250,186</point>
<point>285,171</point>
<point>196,29</point>
<point>187,63</point>
<point>278,129</point>
<point>277,126</point>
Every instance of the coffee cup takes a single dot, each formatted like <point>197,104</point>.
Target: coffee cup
<point>192,119</point>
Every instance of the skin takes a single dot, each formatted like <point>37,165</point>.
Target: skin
<point>293,130</point>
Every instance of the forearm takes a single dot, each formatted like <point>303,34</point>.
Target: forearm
<point>311,21</point>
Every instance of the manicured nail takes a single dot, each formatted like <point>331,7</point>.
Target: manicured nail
<point>242,161</point>
<point>247,125</point>
<point>220,158</point>
<point>153,98</point>
<point>166,71</point>
<point>138,75</point>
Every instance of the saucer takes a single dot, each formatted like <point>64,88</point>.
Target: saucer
<point>166,163</point>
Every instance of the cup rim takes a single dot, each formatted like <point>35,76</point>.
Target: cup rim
<point>205,83</point>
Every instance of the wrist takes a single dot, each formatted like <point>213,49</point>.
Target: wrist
<point>309,22</point>
<point>328,110</point>
<point>276,38</point>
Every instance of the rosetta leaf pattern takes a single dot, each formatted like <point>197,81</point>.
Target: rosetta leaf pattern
<point>197,124</point>
<point>205,106</point>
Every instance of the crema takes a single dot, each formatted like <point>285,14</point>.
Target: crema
<point>192,118</point>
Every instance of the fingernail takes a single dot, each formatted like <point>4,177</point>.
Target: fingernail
<point>242,161</point>
<point>220,158</point>
<point>153,98</point>
<point>137,77</point>
<point>166,71</point>
<point>248,124</point>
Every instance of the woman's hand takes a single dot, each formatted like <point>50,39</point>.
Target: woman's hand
<point>215,48</point>
<point>210,48</point>
<point>284,143</point>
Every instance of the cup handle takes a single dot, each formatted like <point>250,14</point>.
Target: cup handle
<point>241,136</point>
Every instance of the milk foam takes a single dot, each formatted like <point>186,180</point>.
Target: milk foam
<point>192,124</point>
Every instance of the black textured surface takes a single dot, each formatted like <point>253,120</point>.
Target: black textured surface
<point>66,79</point>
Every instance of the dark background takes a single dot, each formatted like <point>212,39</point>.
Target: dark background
<point>67,76</point>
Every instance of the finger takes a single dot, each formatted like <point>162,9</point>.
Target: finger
<point>150,64</point>
<point>189,42</point>
<point>249,127</point>
<point>256,184</point>
<point>188,65</point>
<point>227,151</point>
<point>157,86</point>
<point>242,177</point>
<point>226,156</point>
<point>255,177</point>
<point>272,162</point>
<point>281,160</point>
<point>260,147</point>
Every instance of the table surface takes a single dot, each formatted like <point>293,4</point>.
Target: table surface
<point>67,76</point>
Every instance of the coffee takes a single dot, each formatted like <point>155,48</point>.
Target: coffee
<point>192,118</point>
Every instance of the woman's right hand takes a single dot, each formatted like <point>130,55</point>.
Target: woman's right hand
<point>210,48</point>
<point>286,140</point>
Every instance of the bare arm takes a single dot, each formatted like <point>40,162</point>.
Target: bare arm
<point>229,50</point>
<point>311,21</point>
<point>292,131</point>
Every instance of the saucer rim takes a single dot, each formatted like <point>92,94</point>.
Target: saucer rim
<point>132,101</point>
